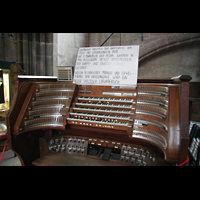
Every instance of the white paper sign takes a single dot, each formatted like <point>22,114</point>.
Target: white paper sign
<point>112,65</point>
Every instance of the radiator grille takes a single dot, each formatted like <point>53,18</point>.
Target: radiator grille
<point>65,73</point>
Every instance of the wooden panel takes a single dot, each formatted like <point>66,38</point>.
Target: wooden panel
<point>54,159</point>
<point>24,110</point>
<point>174,125</point>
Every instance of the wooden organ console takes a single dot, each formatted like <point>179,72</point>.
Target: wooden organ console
<point>60,123</point>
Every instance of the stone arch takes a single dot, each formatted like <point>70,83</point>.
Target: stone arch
<point>169,41</point>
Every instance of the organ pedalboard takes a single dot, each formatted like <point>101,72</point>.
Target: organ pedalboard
<point>145,125</point>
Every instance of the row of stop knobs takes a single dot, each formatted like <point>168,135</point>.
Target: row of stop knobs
<point>73,145</point>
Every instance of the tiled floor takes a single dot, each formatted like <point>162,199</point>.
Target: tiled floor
<point>9,159</point>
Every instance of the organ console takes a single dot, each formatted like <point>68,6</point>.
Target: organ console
<point>60,123</point>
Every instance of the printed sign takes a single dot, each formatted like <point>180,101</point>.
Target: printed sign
<point>110,66</point>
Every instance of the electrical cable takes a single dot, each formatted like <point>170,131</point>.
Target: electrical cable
<point>3,150</point>
<point>183,163</point>
<point>107,39</point>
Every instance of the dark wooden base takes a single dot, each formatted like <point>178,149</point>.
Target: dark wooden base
<point>61,159</point>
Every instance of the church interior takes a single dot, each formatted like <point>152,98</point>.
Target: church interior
<point>157,123</point>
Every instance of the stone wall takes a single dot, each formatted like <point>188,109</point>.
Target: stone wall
<point>40,53</point>
<point>161,54</point>
<point>182,59</point>
<point>7,47</point>
<point>34,53</point>
<point>65,48</point>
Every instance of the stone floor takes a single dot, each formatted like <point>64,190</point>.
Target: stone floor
<point>9,159</point>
